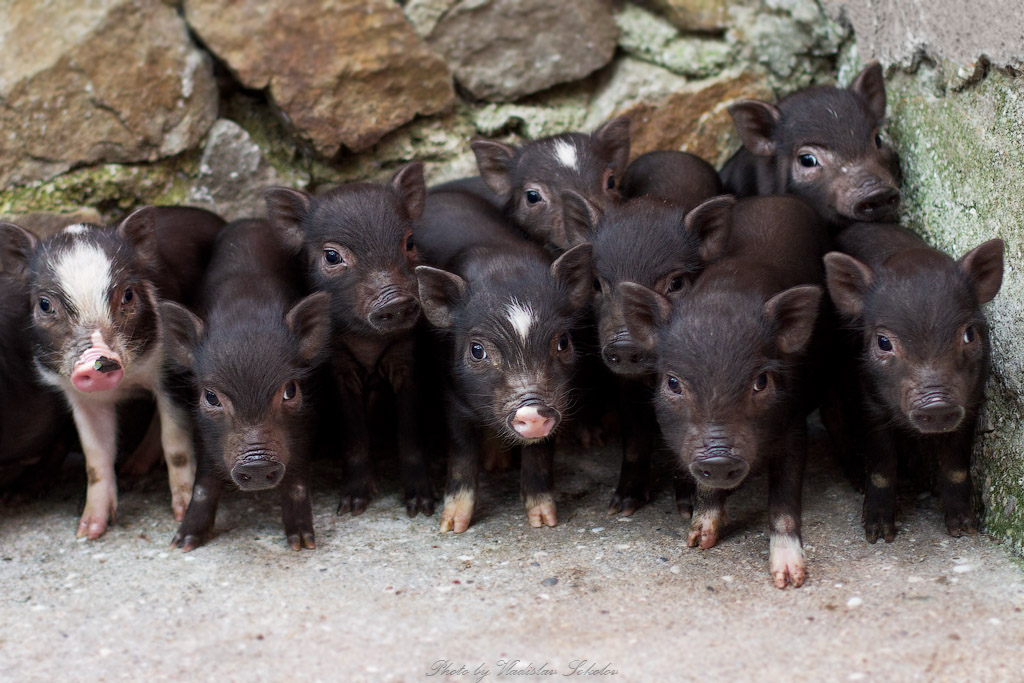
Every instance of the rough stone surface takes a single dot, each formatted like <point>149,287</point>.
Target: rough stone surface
<point>44,224</point>
<point>900,31</point>
<point>342,73</point>
<point>97,81</point>
<point>646,36</point>
<point>233,172</point>
<point>501,50</point>
<point>695,15</point>
<point>384,597</point>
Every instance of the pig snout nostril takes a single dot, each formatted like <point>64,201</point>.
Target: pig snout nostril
<point>937,417</point>
<point>534,421</point>
<point>256,475</point>
<point>879,202</point>
<point>720,471</point>
<point>626,357</point>
<point>398,311</point>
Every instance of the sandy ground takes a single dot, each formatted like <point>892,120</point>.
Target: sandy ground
<point>387,598</point>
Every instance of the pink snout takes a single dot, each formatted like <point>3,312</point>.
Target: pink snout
<point>530,423</point>
<point>98,369</point>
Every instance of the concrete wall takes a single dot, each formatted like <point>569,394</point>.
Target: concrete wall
<point>956,107</point>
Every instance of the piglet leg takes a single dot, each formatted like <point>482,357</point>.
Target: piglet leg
<point>638,428</point>
<point>708,519</point>
<point>785,483</point>
<point>463,476</point>
<point>537,481</point>
<point>297,508</point>
<point>176,439</point>
<point>97,430</point>
<point>419,493</point>
<point>879,515</point>
<point>955,464</point>
<point>357,474</point>
<point>202,509</point>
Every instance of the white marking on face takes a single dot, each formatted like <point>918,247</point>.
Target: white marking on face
<point>566,153</point>
<point>83,273</point>
<point>76,229</point>
<point>520,317</point>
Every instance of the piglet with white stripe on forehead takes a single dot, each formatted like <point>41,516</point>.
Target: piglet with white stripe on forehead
<point>508,314</point>
<point>94,293</point>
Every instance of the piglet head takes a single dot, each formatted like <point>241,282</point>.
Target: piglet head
<point>532,178</point>
<point>925,341</point>
<point>725,372</point>
<point>358,240</point>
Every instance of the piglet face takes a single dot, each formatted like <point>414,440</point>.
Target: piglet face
<point>925,341</point>
<point>533,177</point>
<point>94,306</point>
<point>721,405</point>
<point>359,243</point>
<point>827,146</point>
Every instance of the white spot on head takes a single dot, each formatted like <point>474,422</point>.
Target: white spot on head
<point>520,317</point>
<point>566,153</point>
<point>76,229</point>
<point>83,273</point>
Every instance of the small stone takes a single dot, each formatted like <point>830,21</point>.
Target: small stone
<point>962,568</point>
<point>674,569</point>
<point>597,530</point>
<point>549,581</point>
<point>854,602</point>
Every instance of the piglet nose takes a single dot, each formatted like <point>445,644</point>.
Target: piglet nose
<point>534,421</point>
<point>256,475</point>
<point>98,369</point>
<point>937,417</point>
<point>720,469</point>
<point>882,202</point>
<point>397,312</point>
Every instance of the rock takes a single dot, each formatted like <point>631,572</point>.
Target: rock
<point>343,72</point>
<point>424,14</point>
<point>110,81</point>
<point>44,224</point>
<point>694,15</point>
<point>646,36</point>
<point>233,173</point>
<point>501,50</point>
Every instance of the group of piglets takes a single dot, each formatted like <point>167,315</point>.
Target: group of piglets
<point>713,312</point>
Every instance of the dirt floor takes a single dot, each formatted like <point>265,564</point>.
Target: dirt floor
<point>387,598</point>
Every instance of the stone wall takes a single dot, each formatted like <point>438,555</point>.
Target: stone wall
<point>110,104</point>
<point>956,108</point>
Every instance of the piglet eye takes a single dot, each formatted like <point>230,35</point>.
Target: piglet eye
<point>477,351</point>
<point>884,344</point>
<point>611,182</point>
<point>761,382</point>
<point>44,305</point>
<point>532,196</point>
<point>878,141</point>
<point>597,285</point>
<point>969,334</point>
<point>128,295</point>
<point>673,384</point>
<point>332,256</point>
<point>212,399</point>
<point>290,390</point>
<point>808,160</point>
<point>409,244</point>
<point>563,342</point>
<point>676,284</point>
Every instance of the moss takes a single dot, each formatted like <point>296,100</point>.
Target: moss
<point>961,142</point>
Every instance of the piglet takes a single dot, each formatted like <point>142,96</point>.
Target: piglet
<point>508,313</point>
<point>252,351</point>
<point>358,246</point>
<point>823,144</point>
<point>918,358</point>
<point>730,361</point>
<point>96,335</point>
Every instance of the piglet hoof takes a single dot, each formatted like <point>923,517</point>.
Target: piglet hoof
<point>540,510</point>
<point>354,504</point>
<point>626,503</point>
<point>416,503</point>
<point>961,524</point>
<point>96,516</point>
<point>457,513</point>
<point>590,436</point>
<point>179,503</point>
<point>786,562</point>
<point>299,539</point>
<point>704,531</point>
<point>874,530</point>
<point>497,460</point>
<point>685,507</point>
<point>187,541</point>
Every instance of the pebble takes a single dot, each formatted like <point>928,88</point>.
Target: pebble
<point>674,569</point>
<point>961,568</point>
<point>549,581</point>
<point>854,602</point>
<point>597,530</point>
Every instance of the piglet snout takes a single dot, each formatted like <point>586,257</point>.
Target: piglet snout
<point>395,313</point>
<point>719,469</point>
<point>256,475</point>
<point>937,417</point>
<point>879,204</point>
<point>98,369</point>
<point>534,421</point>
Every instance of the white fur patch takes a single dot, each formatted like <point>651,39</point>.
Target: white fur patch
<point>76,229</point>
<point>566,153</point>
<point>83,272</point>
<point>520,317</point>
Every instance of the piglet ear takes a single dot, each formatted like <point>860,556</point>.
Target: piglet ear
<point>579,216</point>
<point>575,271</point>
<point>711,222</point>
<point>644,311</point>
<point>848,282</point>
<point>794,312</point>
<point>139,230</point>
<point>870,84</point>
<point>16,245</point>
<point>984,266</point>
<point>755,121</point>
<point>310,321</point>
<point>494,161</point>
<point>612,140</point>
<point>288,209</point>
<point>440,293</point>
<point>412,190</point>
<point>182,331</point>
